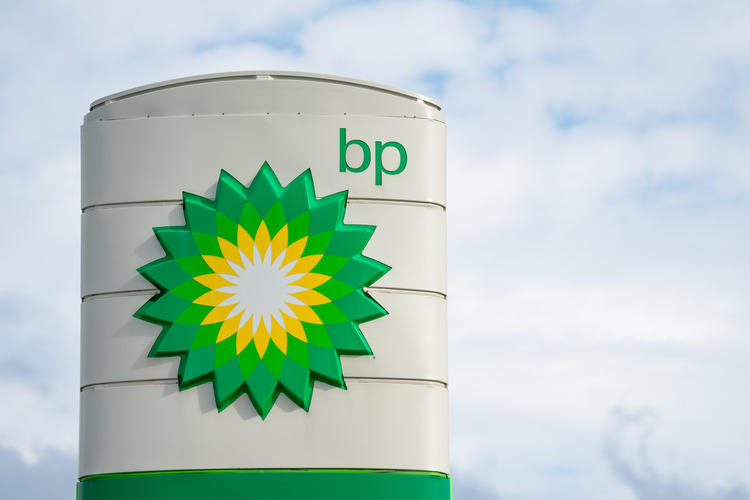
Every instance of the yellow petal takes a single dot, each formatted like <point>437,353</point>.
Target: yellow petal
<point>261,338</point>
<point>262,239</point>
<point>278,335</point>
<point>294,251</point>
<point>311,280</point>
<point>219,265</point>
<point>217,315</point>
<point>294,327</point>
<point>305,313</point>
<point>305,264</point>
<point>245,242</point>
<point>279,242</point>
<point>229,327</point>
<point>230,251</point>
<point>212,281</point>
<point>245,335</point>
<point>212,298</point>
<point>311,297</point>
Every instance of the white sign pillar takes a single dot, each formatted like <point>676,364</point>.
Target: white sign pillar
<point>264,291</point>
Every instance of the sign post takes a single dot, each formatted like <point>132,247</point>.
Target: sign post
<point>263,291</point>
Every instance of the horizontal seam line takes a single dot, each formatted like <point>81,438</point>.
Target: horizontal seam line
<point>171,381</point>
<point>421,381</point>
<point>162,203</point>
<point>397,201</point>
<point>257,470</point>
<point>127,383</point>
<point>406,290</point>
<point>126,293</point>
<point>124,204</point>
<point>151,291</point>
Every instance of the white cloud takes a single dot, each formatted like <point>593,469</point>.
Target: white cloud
<point>389,41</point>
<point>627,452</point>
<point>37,420</point>
<point>49,478</point>
<point>597,193</point>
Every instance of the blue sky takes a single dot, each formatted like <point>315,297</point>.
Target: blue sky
<point>599,198</point>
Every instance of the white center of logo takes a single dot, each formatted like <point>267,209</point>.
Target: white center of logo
<point>261,288</point>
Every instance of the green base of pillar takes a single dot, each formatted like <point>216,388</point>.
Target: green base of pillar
<point>268,484</point>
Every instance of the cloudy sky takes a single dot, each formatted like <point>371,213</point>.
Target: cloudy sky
<point>599,201</point>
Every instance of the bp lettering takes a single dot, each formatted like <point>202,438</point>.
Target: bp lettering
<point>380,148</point>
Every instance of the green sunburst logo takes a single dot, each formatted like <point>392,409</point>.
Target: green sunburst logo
<point>262,290</point>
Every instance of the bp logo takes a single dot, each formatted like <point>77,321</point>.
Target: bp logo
<point>262,290</point>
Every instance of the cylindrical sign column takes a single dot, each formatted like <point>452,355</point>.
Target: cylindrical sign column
<point>263,291</point>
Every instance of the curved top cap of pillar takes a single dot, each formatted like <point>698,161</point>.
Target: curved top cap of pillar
<point>262,93</point>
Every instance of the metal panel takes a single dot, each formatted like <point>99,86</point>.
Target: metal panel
<point>244,93</point>
<point>409,343</point>
<point>117,241</point>
<point>141,149</point>
<point>409,238</point>
<point>140,160</point>
<point>115,345</point>
<point>369,426</point>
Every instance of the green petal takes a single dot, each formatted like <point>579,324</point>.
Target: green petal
<point>334,289</point>
<point>194,266</point>
<point>196,366</point>
<point>325,364</point>
<point>230,197</point>
<point>297,350</point>
<point>349,241</point>
<point>194,314</point>
<point>295,380</point>
<point>165,274</point>
<point>174,339</point>
<point>226,228</point>
<point>264,190</point>
<point>177,241</point>
<point>348,339</point>
<point>361,271</point>
<point>261,388</point>
<point>250,219</point>
<point>228,380</point>
<point>317,243</point>
<point>327,213</point>
<point>330,313</point>
<point>208,244</point>
<point>200,214</point>
<point>248,359</point>
<point>297,196</point>
<point>206,335</point>
<point>190,290</point>
<point>317,335</point>
<point>166,307</point>
<point>330,265</point>
<point>275,219</point>
<point>226,350</point>
<point>273,358</point>
<point>299,227</point>
<point>359,307</point>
